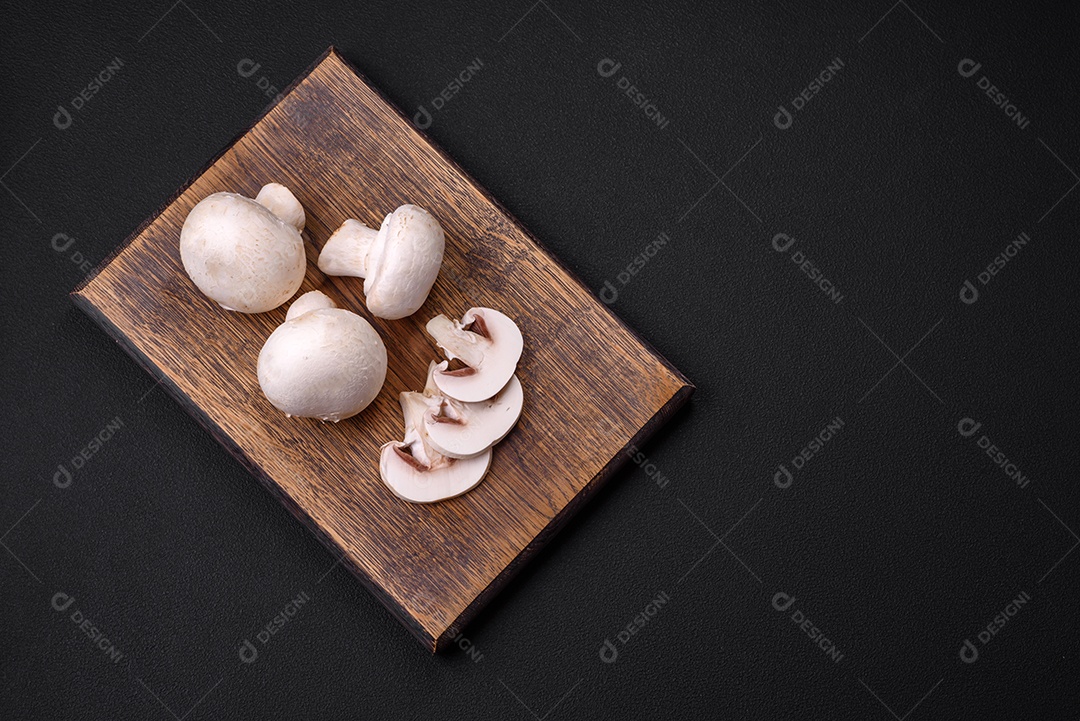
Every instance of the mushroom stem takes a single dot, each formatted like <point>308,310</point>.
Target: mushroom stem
<point>280,201</point>
<point>414,407</point>
<point>346,253</point>
<point>457,343</point>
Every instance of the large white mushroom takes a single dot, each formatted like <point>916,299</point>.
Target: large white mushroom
<point>322,362</point>
<point>246,254</point>
<point>487,342</point>
<point>463,430</point>
<point>398,262</point>
<point>414,471</point>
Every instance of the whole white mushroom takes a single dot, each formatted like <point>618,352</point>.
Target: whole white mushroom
<point>322,362</point>
<point>246,254</point>
<point>399,262</point>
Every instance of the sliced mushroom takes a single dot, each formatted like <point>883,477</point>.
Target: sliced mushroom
<point>418,473</point>
<point>322,362</point>
<point>246,254</point>
<point>487,342</point>
<point>399,262</point>
<point>463,430</point>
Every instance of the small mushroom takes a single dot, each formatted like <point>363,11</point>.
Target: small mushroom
<point>322,362</point>
<point>418,473</point>
<point>487,342</point>
<point>463,430</point>
<point>399,262</point>
<point>246,254</point>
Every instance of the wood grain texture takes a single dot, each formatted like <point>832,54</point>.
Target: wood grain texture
<point>591,386</point>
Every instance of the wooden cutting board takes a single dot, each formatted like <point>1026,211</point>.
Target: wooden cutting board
<point>591,386</point>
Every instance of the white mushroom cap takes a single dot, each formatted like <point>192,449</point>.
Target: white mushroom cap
<point>415,472</point>
<point>242,255</point>
<point>487,342</point>
<point>399,262</point>
<point>323,362</point>
<point>462,430</point>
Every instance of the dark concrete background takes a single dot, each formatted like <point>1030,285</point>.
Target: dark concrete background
<point>900,538</point>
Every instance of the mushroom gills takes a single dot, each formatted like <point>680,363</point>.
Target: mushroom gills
<point>488,342</point>
<point>462,430</point>
<point>415,471</point>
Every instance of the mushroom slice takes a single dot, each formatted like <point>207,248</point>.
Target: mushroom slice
<point>487,342</point>
<point>463,430</point>
<point>418,473</point>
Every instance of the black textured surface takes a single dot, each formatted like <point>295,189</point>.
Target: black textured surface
<point>900,539</point>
